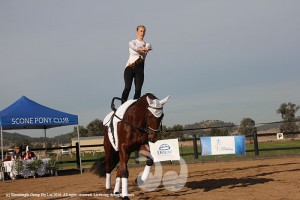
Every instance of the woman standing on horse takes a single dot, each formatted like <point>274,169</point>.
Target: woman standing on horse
<point>138,50</point>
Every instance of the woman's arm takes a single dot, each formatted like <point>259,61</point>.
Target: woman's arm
<point>133,46</point>
<point>141,50</point>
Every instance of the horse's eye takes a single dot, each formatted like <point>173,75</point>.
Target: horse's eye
<point>150,116</point>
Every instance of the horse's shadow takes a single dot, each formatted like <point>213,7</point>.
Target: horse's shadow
<point>212,184</point>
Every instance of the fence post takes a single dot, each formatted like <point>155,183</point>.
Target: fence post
<point>77,156</point>
<point>136,157</point>
<point>255,142</point>
<point>195,146</point>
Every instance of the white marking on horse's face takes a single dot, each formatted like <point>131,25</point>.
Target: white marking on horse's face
<point>156,106</point>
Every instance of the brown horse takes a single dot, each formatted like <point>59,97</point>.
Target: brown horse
<point>139,126</point>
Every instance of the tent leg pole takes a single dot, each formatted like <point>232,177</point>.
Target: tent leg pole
<point>2,145</point>
<point>45,142</point>
<point>79,149</point>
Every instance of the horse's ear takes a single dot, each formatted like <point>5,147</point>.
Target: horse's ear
<point>163,101</point>
<point>149,101</point>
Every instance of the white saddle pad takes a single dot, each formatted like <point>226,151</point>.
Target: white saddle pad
<point>113,137</point>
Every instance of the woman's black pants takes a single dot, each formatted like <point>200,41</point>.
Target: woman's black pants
<point>137,73</point>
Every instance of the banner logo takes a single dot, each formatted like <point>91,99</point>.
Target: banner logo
<point>164,150</point>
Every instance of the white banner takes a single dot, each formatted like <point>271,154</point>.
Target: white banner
<point>222,145</point>
<point>164,150</point>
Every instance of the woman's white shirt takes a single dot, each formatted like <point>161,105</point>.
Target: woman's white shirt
<point>133,50</point>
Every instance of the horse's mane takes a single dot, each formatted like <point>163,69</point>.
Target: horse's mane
<point>150,95</point>
<point>142,101</point>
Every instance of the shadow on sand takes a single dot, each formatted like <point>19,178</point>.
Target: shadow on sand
<point>212,184</point>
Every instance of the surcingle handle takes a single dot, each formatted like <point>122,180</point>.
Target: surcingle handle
<point>113,107</point>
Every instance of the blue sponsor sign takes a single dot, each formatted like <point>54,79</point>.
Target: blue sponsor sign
<point>221,145</point>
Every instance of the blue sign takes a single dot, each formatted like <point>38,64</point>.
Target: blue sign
<point>221,145</point>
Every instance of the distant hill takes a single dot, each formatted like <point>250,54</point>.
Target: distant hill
<point>274,126</point>
<point>12,139</point>
<point>64,138</point>
<point>204,126</point>
<point>268,127</point>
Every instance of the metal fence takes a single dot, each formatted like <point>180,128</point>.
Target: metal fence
<point>196,147</point>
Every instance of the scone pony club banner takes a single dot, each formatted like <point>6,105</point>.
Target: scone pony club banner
<point>221,145</point>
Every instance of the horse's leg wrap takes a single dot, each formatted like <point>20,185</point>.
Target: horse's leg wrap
<point>108,181</point>
<point>124,187</point>
<point>117,185</point>
<point>147,169</point>
<point>146,173</point>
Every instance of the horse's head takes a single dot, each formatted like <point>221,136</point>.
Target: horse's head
<point>154,116</point>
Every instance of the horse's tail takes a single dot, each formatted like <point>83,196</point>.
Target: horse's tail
<point>99,166</point>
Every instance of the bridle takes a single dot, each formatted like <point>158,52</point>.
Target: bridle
<point>159,127</point>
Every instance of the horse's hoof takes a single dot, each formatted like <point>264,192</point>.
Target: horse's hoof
<point>139,181</point>
<point>126,198</point>
<point>117,195</point>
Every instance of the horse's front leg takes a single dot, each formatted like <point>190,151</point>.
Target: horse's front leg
<point>123,170</point>
<point>144,150</point>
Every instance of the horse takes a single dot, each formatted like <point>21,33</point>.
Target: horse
<point>140,125</point>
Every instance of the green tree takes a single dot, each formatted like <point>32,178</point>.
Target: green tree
<point>172,132</point>
<point>95,128</point>
<point>218,132</point>
<point>247,127</point>
<point>83,132</point>
<point>288,115</point>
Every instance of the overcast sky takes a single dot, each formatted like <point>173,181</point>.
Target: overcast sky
<point>223,60</point>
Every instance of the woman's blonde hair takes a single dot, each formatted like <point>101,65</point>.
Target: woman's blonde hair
<point>140,26</point>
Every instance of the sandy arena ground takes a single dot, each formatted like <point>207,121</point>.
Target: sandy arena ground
<point>251,178</point>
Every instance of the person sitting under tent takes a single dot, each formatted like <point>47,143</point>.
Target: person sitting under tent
<point>29,154</point>
<point>17,153</point>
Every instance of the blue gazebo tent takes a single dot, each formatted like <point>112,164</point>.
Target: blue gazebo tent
<point>28,114</point>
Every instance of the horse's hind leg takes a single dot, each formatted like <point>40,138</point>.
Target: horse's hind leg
<point>111,160</point>
<point>110,165</point>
